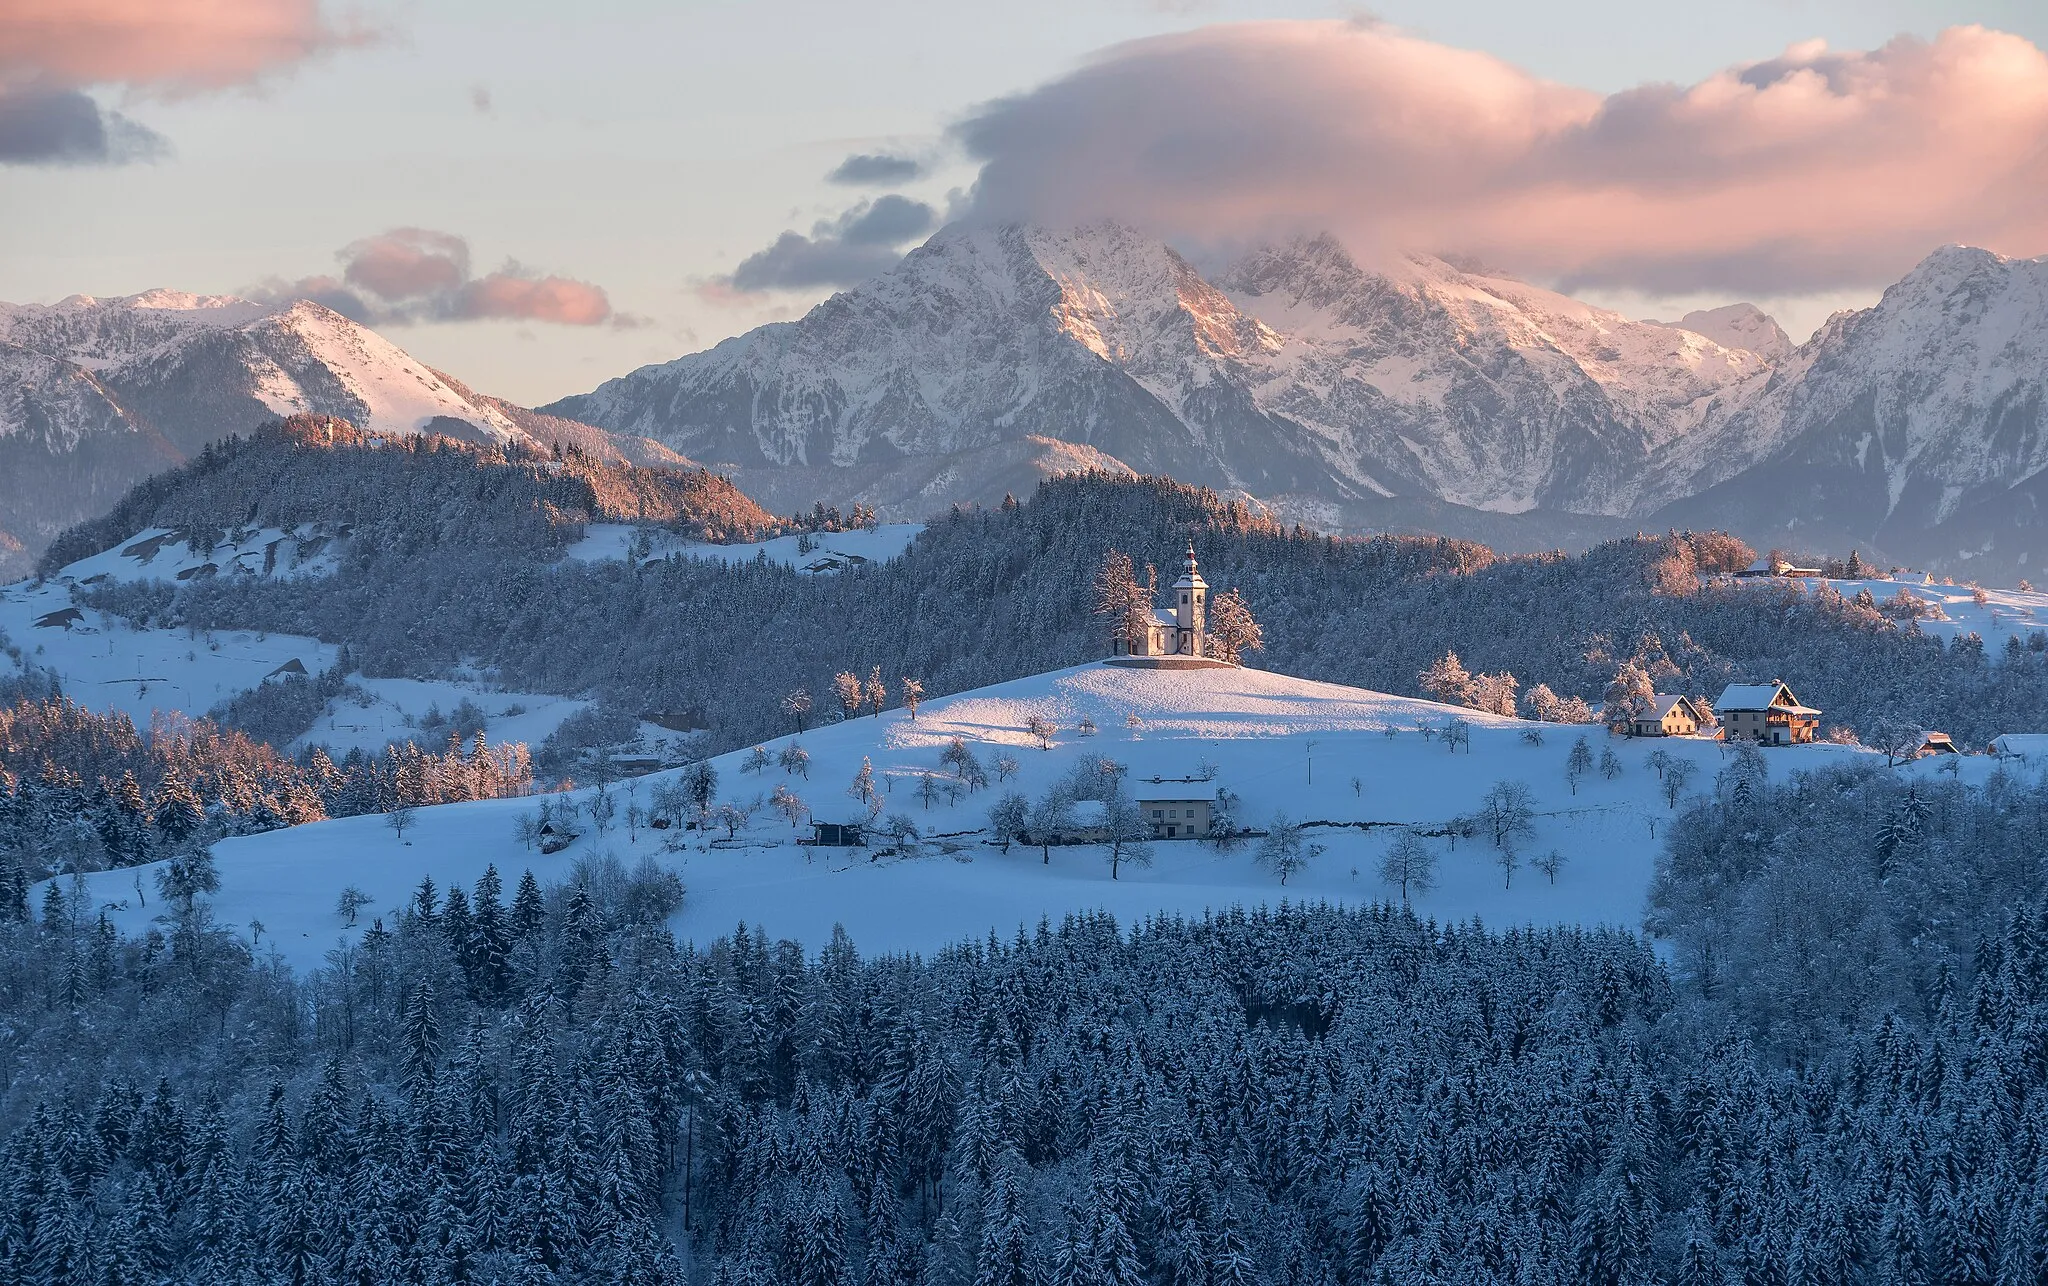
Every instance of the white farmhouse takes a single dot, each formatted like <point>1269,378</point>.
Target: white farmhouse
<point>1766,713</point>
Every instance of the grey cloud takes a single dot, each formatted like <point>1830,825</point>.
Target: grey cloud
<point>889,221</point>
<point>862,242</point>
<point>875,169</point>
<point>66,127</point>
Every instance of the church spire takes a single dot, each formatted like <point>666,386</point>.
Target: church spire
<point>1190,604</point>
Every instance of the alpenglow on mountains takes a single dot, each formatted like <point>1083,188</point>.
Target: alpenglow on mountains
<point>1416,394</point>
<point>97,394</point>
<point>1294,371</point>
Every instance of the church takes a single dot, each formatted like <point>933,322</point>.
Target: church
<point>1181,630</point>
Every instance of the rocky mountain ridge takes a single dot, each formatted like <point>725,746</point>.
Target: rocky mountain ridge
<point>96,394</point>
<point>1293,371</point>
<point>1389,395</point>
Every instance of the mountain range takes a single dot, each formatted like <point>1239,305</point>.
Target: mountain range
<point>1416,394</point>
<point>97,394</point>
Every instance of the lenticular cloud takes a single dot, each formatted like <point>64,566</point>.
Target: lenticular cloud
<point>1813,169</point>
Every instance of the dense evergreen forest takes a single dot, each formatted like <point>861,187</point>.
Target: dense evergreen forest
<point>546,1087</point>
<point>84,791</point>
<point>988,595</point>
<point>411,495</point>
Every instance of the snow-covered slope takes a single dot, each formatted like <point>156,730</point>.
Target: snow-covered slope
<point>1353,762</point>
<point>1294,371</point>
<point>816,553</point>
<point>1918,427</point>
<point>96,394</point>
<point>199,366</point>
<point>108,665</point>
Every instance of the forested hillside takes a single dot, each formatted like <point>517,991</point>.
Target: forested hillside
<point>82,791</point>
<point>988,595</point>
<point>548,1088</point>
<point>413,495</point>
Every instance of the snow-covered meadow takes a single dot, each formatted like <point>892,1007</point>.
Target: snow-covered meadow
<point>1354,760</point>
<point>2003,614</point>
<point>823,551</point>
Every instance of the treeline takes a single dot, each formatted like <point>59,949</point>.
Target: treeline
<point>549,1088</point>
<point>83,791</point>
<point>411,495</point>
<point>1832,900</point>
<point>984,596</point>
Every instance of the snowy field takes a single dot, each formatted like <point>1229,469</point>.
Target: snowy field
<point>830,551</point>
<point>162,554</point>
<point>2003,614</point>
<point>106,666</point>
<point>1264,735</point>
<point>109,667</point>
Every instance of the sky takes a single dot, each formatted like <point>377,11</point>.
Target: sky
<point>536,197</point>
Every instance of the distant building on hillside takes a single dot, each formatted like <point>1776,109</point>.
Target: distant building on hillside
<point>1766,713</point>
<point>1181,630</point>
<point>1934,743</point>
<point>2021,745</point>
<point>1176,818</point>
<point>1776,567</point>
<point>839,835</point>
<point>1669,716</point>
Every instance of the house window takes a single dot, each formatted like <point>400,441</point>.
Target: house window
<point>1158,813</point>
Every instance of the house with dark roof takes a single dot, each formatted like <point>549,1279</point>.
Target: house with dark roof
<point>1766,713</point>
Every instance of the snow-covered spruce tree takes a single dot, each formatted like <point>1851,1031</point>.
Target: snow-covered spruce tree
<point>1120,598</point>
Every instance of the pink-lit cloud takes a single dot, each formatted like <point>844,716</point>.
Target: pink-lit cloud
<point>414,275</point>
<point>168,45</point>
<point>52,52</point>
<point>1809,170</point>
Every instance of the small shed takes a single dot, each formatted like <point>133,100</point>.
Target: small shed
<point>1669,716</point>
<point>1935,743</point>
<point>1087,822</point>
<point>1177,818</point>
<point>290,668</point>
<point>839,834</point>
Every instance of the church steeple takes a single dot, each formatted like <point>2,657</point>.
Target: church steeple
<point>1190,606</point>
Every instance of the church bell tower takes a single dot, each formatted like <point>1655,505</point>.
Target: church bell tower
<point>1190,605</point>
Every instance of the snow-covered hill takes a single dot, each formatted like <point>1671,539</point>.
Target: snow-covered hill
<point>96,394</point>
<point>1353,762</point>
<point>1293,371</point>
